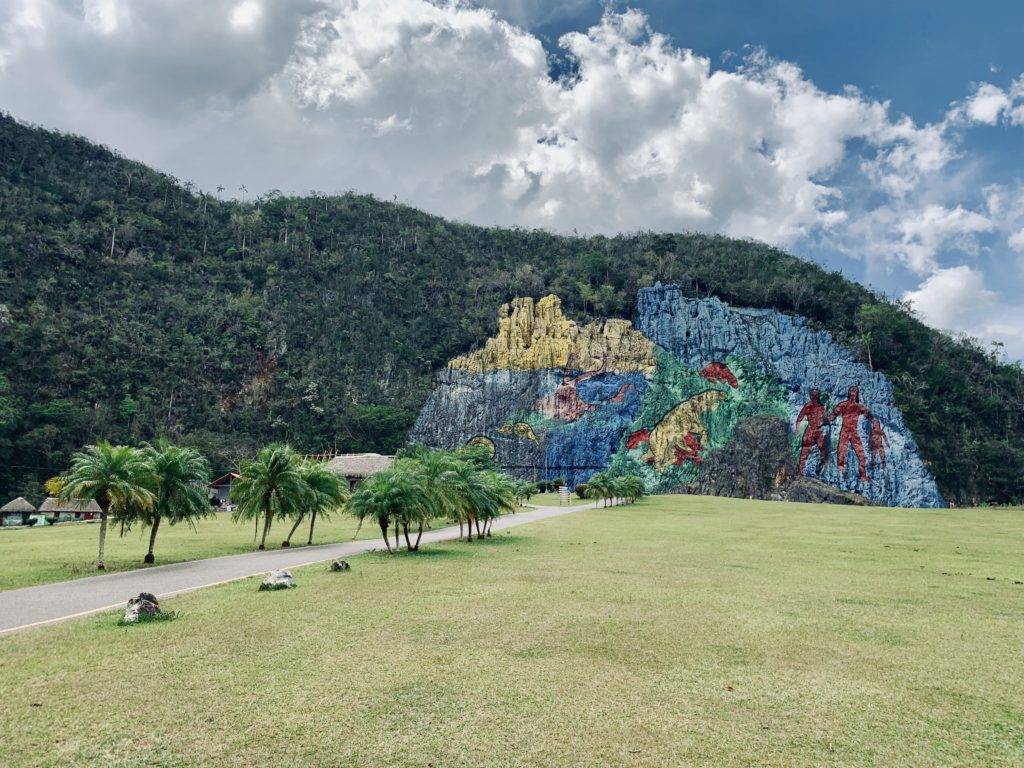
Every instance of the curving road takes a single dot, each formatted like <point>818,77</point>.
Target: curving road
<point>48,603</point>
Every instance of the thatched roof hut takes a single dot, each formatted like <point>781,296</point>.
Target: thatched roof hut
<point>53,506</point>
<point>18,505</point>
<point>358,466</point>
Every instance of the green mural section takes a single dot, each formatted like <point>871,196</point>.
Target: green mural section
<point>686,413</point>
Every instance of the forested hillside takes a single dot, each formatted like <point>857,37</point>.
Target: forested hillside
<point>132,305</point>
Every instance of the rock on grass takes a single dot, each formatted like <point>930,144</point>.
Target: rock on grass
<point>277,580</point>
<point>144,606</point>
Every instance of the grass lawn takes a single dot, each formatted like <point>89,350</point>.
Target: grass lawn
<point>40,555</point>
<point>683,631</point>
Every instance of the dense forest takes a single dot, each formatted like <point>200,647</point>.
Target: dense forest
<point>133,305</point>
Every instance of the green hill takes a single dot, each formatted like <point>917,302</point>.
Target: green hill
<point>133,305</point>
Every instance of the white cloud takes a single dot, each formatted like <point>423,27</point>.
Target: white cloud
<point>246,15</point>
<point>450,107</point>
<point>956,299</point>
<point>987,104</point>
<point>1016,241</point>
<point>950,296</point>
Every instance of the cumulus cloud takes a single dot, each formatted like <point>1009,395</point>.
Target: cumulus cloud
<point>452,107</point>
<point>957,299</point>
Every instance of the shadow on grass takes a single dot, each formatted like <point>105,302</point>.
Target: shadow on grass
<point>451,549</point>
<point>148,619</point>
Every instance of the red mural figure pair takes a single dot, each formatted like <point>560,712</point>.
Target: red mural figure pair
<point>850,412</point>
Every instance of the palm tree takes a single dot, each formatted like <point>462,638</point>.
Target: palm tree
<point>438,470</point>
<point>524,490</point>
<point>269,485</point>
<point>601,486</point>
<point>331,494</point>
<point>633,487</point>
<point>182,475</point>
<point>395,496</point>
<point>498,496</point>
<point>118,477</point>
<point>326,493</point>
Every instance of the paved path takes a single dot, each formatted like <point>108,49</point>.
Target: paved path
<point>47,603</point>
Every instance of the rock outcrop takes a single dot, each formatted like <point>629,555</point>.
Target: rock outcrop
<point>144,605</point>
<point>277,580</point>
<point>670,396</point>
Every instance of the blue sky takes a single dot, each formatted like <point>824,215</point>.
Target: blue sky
<point>878,138</point>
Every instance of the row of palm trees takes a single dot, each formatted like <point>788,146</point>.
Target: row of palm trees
<point>429,485</point>
<point>280,484</point>
<point>613,488</point>
<point>160,482</point>
<point>147,485</point>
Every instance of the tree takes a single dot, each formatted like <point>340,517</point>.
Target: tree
<point>392,497</point>
<point>326,493</point>
<point>118,477</point>
<point>440,472</point>
<point>269,485</point>
<point>182,476</point>
<point>498,495</point>
<point>599,486</point>
<point>524,490</point>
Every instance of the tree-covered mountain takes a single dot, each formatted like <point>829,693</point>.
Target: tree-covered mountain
<point>133,305</point>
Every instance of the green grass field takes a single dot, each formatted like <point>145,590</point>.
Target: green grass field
<point>41,555</point>
<point>681,631</point>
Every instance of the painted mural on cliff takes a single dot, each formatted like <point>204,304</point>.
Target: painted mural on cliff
<point>655,396</point>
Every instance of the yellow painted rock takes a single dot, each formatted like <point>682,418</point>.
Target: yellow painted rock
<point>533,335</point>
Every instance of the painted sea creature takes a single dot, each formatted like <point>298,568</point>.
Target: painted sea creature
<point>720,373</point>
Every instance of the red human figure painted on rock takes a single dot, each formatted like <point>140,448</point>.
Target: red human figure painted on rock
<point>850,411</point>
<point>814,436</point>
<point>877,444</point>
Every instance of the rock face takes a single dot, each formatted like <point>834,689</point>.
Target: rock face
<point>145,604</point>
<point>867,450</point>
<point>671,397</point>
<point>277,580</point>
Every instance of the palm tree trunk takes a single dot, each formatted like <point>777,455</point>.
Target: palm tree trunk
<point>405,532</point>
<point>476,521</point>
<point>266,527</point>
<point>419,535</point>
<point>469,528</point>
<point>312,522</point>
<point>384,531</point>
<point>101,562</point>
<point>152,540</point>
<point>460,529</point>
<point>288,542</point>
<point>396,536</point>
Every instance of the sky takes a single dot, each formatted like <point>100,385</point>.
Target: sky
<point>880,139</point>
